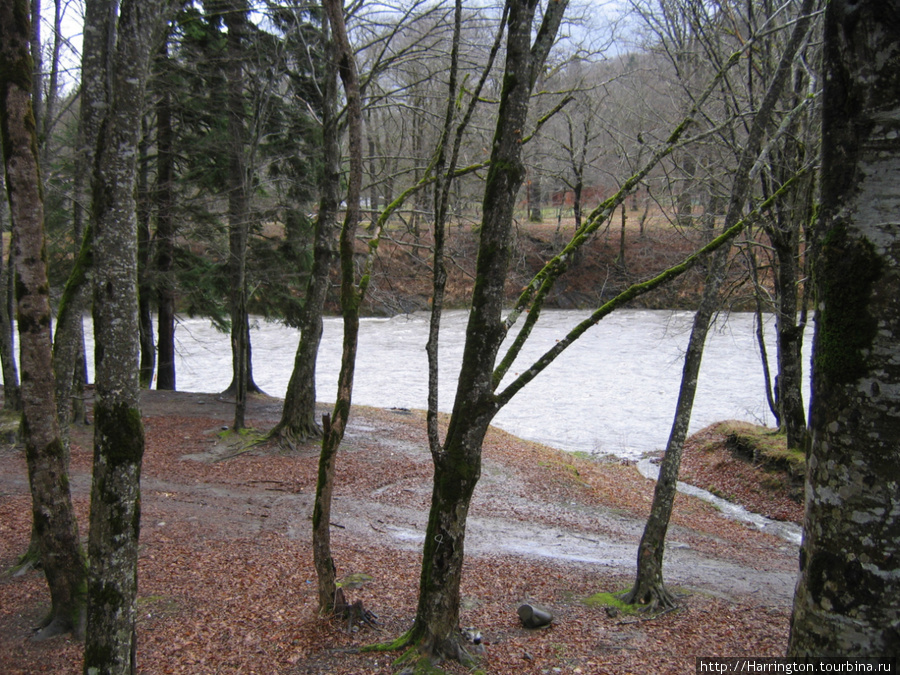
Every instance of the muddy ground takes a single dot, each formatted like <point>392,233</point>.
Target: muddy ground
<point>226,579</point>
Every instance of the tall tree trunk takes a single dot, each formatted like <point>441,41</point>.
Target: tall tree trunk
<point>298,416</point>
<point>11,398</point>
<point>145,290</point>
<point>351,297</point>
<point>54,518</point>
<point>69,360</point>
<point>458,463</point>
<point>165,235</point>
<point>847,601</point>
<point>234,14</point>
<point>649,586</point>
<point>118,428</point>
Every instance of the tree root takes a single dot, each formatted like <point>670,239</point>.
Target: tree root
<point>354,613</point>
<point>650,598</point>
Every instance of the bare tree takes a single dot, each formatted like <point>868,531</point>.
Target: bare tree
<point>649,588</point>
<point>55,526</point>
<point>118,428</point>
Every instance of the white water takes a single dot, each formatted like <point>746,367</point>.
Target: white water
<point>613,391</point>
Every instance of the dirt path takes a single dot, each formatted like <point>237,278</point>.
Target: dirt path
<point>539,518</point>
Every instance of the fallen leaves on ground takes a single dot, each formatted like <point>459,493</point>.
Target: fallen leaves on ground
<point>227,583</point>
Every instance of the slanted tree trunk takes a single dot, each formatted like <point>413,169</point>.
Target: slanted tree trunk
<point>55,525</point>
<point>847,601</point>
<point>351,298</point>
<point>649,587</point>
<point>298,416</point>
<point>118,428</point>
<point>458,463</point>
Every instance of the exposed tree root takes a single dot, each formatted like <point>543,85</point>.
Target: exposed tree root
<point>354,613</point>
<point>650,598</point>
<point>291,436</point>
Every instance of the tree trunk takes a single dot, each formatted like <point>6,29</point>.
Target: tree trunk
<point>165,236</point>
<point>458,463</point>
<point>649,587</point>
<point>298,416</point>
<point>68,345</point>
<point>145,289</point>
<point>351,297</point>
<point>54,518</point>
<point>847,601</point>
<point>234,14</point>
<point>118,429</point>
<point>11,399</point>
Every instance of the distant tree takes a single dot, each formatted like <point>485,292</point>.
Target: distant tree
<point>55,526</point>
<point>298,417</point>
<point>847,601</point>
<point>649,588</point>
<point>11,399</point>
<point>118,428</point>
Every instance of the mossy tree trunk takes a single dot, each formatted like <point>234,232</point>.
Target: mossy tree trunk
<point>298,416</point>
<point>458,462</point>
<point>55,525</point>
<point>649,587</point>
<point>118,429</point>
<point>847,601</point>
<point>351,297</point>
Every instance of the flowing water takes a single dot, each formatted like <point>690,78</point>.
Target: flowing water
<point>612,392</point>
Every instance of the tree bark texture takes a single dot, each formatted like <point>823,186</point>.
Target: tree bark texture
<point>54,518</point>
<point>118,429</point>
<point>458,462</point>
<point>298,417</point>
<point>351,297</point>
<point>847,601</point>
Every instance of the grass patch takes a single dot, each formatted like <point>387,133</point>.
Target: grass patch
<point>607,600</point>
<point>763,446</point>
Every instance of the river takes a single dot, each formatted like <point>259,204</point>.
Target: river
<point>612,392</point>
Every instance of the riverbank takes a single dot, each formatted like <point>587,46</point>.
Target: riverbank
<point>610,261</point>
<point>226,579</point>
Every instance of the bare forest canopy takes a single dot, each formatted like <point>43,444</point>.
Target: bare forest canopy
<point>627,75</point>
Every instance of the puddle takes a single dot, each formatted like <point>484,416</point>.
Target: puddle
<point>790,532</point>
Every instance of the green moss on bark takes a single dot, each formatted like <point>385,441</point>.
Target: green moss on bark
<point>847,271</point>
